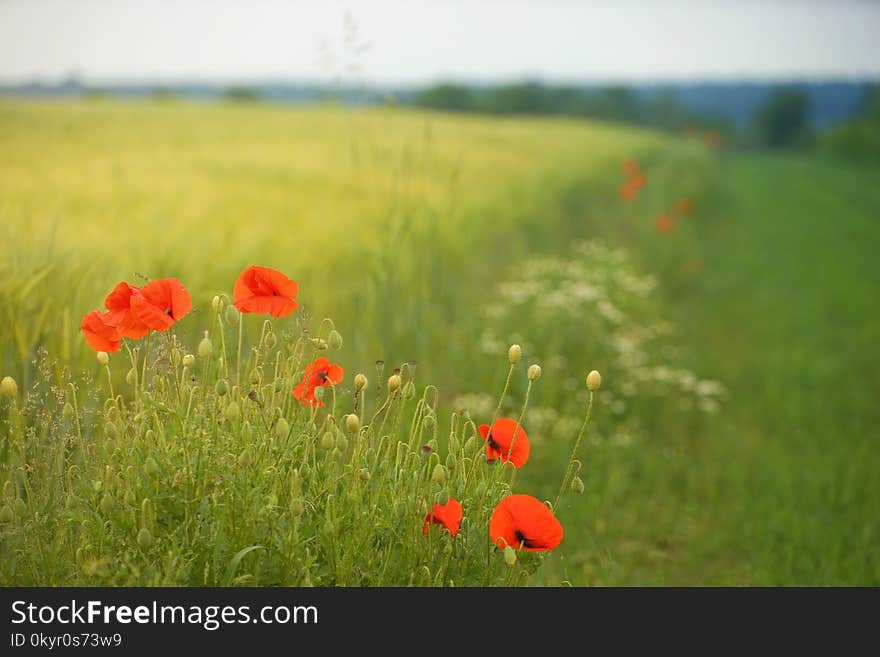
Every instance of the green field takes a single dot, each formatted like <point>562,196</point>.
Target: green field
<point>443,239</point>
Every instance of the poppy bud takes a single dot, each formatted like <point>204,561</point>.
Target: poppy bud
<point>328,440</point>
<point>221,387</point>
<point>150,436</point>
<point>393,383</point>
<point>577,485</point>
<point>438,476</point>
<point>231,315</point>
<point>469,444</point>
<point>442,498</point>
<point>144,538</point>
<point>103,358</point>
<point>352,423</point>
<point>231,412</point>
<point>534,372</point>
<point>67,412</point>
<point>6,514</point>
<point>297,506</point>
<point>282,428</point>
<point>215,303</point>
<point>318,343</point>
<point>110,430</point>
<point>319,392</point>
<point>360,382</point>
<point>514,354</point>
<point>364,474</point>
<point>151,467</point>
<point>594,380</point>
<point>509,556</point>
<point>279,384</point>
<point>188,360</point>
<point>329,528</point>
<point>206,347</point>
<point>245,458</point>
<point>255,377</point>
<point>334,339</point>
<point>131,377</point>
<point>429,422</point>
<point>20,506</point>
<point>341,442</point>
<point>409,390</point>
<point>336,454</point>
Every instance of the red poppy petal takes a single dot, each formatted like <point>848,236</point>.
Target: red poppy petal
<point>99,335</point>
<point>484,430</point>
<point>335,374</point>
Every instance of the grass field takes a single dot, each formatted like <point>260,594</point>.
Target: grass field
<point>422,234</point>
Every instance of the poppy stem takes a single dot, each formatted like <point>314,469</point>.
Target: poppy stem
<point>238,351</point>
<point>143,381</point>
<point>110,382</point>
<point>567,477</point>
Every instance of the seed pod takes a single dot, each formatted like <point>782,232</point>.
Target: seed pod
<point>352,423</point>
<point>271,340</point>
<point>594,381</point>
<point>534,372</point>
<point>131,377</point>
<point>282,428</point>
<point>514,354</point>
<point>231,315</point>
<point>510,556</point>
<point>334,340</point>
<point>328,440</point>
<point>231,412</point>
<point>144,537</point>
<point>206,347</point>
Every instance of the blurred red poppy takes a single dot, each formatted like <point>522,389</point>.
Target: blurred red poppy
<point>523,521</point>
<point>629,166</point>
<point>712,139</point>
<point>120,315</point>
<point>507,441</point>
<point>664,224</point>
<point>160,303</point>
<point>633,185</point>
<point>684,206</point>
<point>318,373</point>
<point>99,333</point>
<point>449,515</point>
<point>262,290</point>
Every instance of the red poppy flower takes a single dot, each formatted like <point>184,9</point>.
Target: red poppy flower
<point>664,224</point>
<point>262,290</point>
<point>319,373</point>
<point>118,302</point>
<point>684,206</point>
<point>500,439</point>
<point>448,515</point>
<point>99,333</point>
<point>160,303</point>
<point>629,166</point>
<point>633,185</point>
<point>524,521</point>
<point>713,139</point>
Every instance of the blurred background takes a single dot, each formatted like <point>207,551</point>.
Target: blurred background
<point>684,195</point>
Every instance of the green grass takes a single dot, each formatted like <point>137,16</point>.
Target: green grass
<point>405,226</point>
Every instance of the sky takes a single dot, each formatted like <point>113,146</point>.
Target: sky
<point>418,41</point>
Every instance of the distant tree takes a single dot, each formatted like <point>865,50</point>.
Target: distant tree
<point>858,139</point>
<point>241,95</point>
<point>447,96</point>
<point>782,120</point>
<point>518,98</point>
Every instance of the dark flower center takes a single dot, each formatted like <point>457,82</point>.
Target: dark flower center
<point>492,443</point>
<point>322,376</point>
<point>522,540</point>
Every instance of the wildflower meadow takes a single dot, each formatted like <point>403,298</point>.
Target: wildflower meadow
<point>255,345</point>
